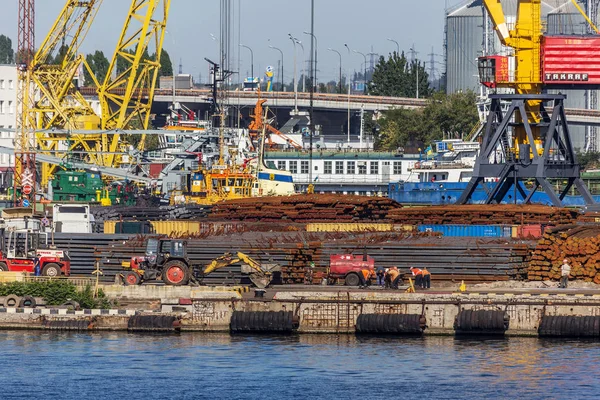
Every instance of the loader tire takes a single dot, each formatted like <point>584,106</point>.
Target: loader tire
<point>175,273</point>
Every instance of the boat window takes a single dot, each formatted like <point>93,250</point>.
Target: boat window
<point>294,167</point>
<point>239,182</point>
<point>339,167</point>
<point>374,167</point>
<point>230,182</point>
<point>304,167</point>
<point>351,167</point>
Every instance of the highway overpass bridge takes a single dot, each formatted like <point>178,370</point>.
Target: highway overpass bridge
<point>331,102</point>
<point>330,108</point>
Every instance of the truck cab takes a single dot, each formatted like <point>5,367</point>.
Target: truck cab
<point>348,266</point>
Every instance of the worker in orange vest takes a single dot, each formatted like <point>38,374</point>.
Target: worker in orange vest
<point>426,278</point>
<point>394,276</point>
<point>418,275</point>
<point>365,278</point>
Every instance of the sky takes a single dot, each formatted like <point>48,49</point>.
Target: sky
<point>364,25</point>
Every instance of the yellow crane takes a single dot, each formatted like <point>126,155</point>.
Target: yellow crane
<point>56,102</point>
<point>125,95</point>
<point>525,39</point>
<point>529,143</point>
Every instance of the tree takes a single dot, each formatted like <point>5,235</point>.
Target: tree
<point>588,160</point>
<point>445,116</point>
<point>99,65</point>
<point>7,54</point>
<point>398,78</point>
<point>166,66</point>
<point>60,56</point>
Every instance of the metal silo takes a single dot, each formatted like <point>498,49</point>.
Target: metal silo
<point>464,36</point>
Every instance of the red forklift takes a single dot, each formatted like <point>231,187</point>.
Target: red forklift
<point>20,249</point>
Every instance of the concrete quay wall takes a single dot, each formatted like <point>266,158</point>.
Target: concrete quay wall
<point>205,309</point>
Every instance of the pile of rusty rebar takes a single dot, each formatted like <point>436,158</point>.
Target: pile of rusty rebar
<point>580,245</point>
<point>480,214</point>
<point>306,208</point>
<point>468,259</point>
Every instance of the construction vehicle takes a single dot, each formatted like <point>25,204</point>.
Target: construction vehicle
<point>529,141</point>
<point>167,260</point>
<point>348,267</point>
<point>19,251</point>
<point>89,187</point>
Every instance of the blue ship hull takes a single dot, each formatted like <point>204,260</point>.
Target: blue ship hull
<point>435,193</point>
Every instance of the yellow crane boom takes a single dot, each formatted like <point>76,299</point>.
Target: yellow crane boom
<point>123,98</point>
<point>125,95</point>
<point>55,101</point>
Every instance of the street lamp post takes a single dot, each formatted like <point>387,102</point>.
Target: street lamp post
<point>397,45</point>
<point>251,59</point>
<point>365,76</point>
<point>303,70</point>
<point>316,58</point>
<point>412,49</point>
<point>295,74</point>
<point>339,54</point>
<point>281,77</point>
<point>346,45</point>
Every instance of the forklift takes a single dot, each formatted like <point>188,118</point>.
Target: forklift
<point>23,247</point>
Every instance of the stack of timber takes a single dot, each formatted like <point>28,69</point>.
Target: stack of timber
<point>579,244</point>
<point>481,214</point>
<point>306,208</point>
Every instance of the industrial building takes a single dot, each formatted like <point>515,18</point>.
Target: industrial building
<point>8,119</point>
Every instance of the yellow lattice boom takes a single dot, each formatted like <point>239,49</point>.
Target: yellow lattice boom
<point>126,100</point>
<point>125,95</point>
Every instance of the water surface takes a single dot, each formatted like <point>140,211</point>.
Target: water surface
<point>195,366</point>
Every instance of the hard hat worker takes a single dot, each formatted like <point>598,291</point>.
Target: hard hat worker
<point>417,273</point>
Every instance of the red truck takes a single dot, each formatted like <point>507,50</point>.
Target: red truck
<point>348,266</point>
